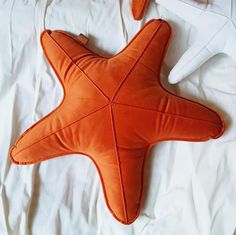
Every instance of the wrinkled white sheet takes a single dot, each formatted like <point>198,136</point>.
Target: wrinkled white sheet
<point>189,188</point>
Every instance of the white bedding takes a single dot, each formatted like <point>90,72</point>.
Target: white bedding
<point>189,188</point>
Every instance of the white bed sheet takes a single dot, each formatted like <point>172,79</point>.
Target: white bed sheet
<point>189,188</point>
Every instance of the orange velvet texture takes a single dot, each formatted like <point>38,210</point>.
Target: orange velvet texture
<point>113,110</point>
<point>138,8</point>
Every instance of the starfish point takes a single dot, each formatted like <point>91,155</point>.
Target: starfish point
<point>216,32</point>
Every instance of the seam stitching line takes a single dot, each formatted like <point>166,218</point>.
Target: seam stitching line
<point>118,162</point>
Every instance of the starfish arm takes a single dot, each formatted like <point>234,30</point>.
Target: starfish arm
<point>123,183</point>
<point>62,52</point>
<point>29,149</point>
<point>183,119</point>
<point>151,41</point>
<point>138,8</point>
<point>199,53</point>
<point>211,37</point>
<point>175,119</point>
<point>41,141</point>
<point>61,132</point>
<point>191,60</point>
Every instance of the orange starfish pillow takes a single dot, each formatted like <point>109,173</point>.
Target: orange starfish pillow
<point>114,109</point>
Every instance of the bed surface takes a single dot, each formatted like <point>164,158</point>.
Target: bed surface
<point>189,188</point>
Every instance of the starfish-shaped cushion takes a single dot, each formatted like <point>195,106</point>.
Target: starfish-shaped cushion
<point>114,109</point>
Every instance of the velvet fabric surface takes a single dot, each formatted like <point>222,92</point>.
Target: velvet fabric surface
<point>138,8</point>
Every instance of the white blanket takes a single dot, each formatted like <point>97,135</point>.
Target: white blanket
<point>189,188</point>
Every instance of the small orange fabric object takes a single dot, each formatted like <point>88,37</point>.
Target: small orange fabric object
<point>114,109</point>
<point>138,8</point>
